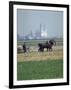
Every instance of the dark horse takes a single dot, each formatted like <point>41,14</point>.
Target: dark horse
<point>47,45</point>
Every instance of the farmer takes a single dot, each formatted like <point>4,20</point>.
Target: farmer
<point>24,48</point>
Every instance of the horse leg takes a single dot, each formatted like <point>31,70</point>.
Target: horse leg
<point>40,50</point>
<point>47,49</point>
<point>51,49</point>
<point>43,50</point>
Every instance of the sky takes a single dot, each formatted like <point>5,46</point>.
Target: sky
<point>30,20</point>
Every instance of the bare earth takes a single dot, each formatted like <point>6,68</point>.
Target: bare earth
<point>56,54</point>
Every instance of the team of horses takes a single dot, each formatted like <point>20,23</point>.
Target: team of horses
<point>41,46</point>
<point>47,45</point>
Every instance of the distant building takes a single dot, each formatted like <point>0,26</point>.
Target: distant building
<point>36,34</point>
<point>44,33</point>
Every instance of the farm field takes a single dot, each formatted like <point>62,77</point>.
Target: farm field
<point>34,56</point>
<point>37,56</point>
<point>33,70</point>
<point>34,65</point>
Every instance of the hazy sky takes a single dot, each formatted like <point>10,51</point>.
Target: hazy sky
<point>30,20</point>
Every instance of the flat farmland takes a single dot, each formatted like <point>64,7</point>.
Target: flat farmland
<point>34,65</point>
<point>35,70</point>
<point>57,54</point>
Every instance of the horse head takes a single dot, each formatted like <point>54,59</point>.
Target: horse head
<point>52,42</point>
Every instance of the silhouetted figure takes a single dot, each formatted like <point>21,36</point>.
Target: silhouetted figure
<point>24,48</point>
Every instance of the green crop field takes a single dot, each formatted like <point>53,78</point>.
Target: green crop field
<point>34,65</point>
<point>32,70</point>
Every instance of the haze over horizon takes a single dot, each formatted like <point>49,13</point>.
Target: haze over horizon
<point>30,20</point>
